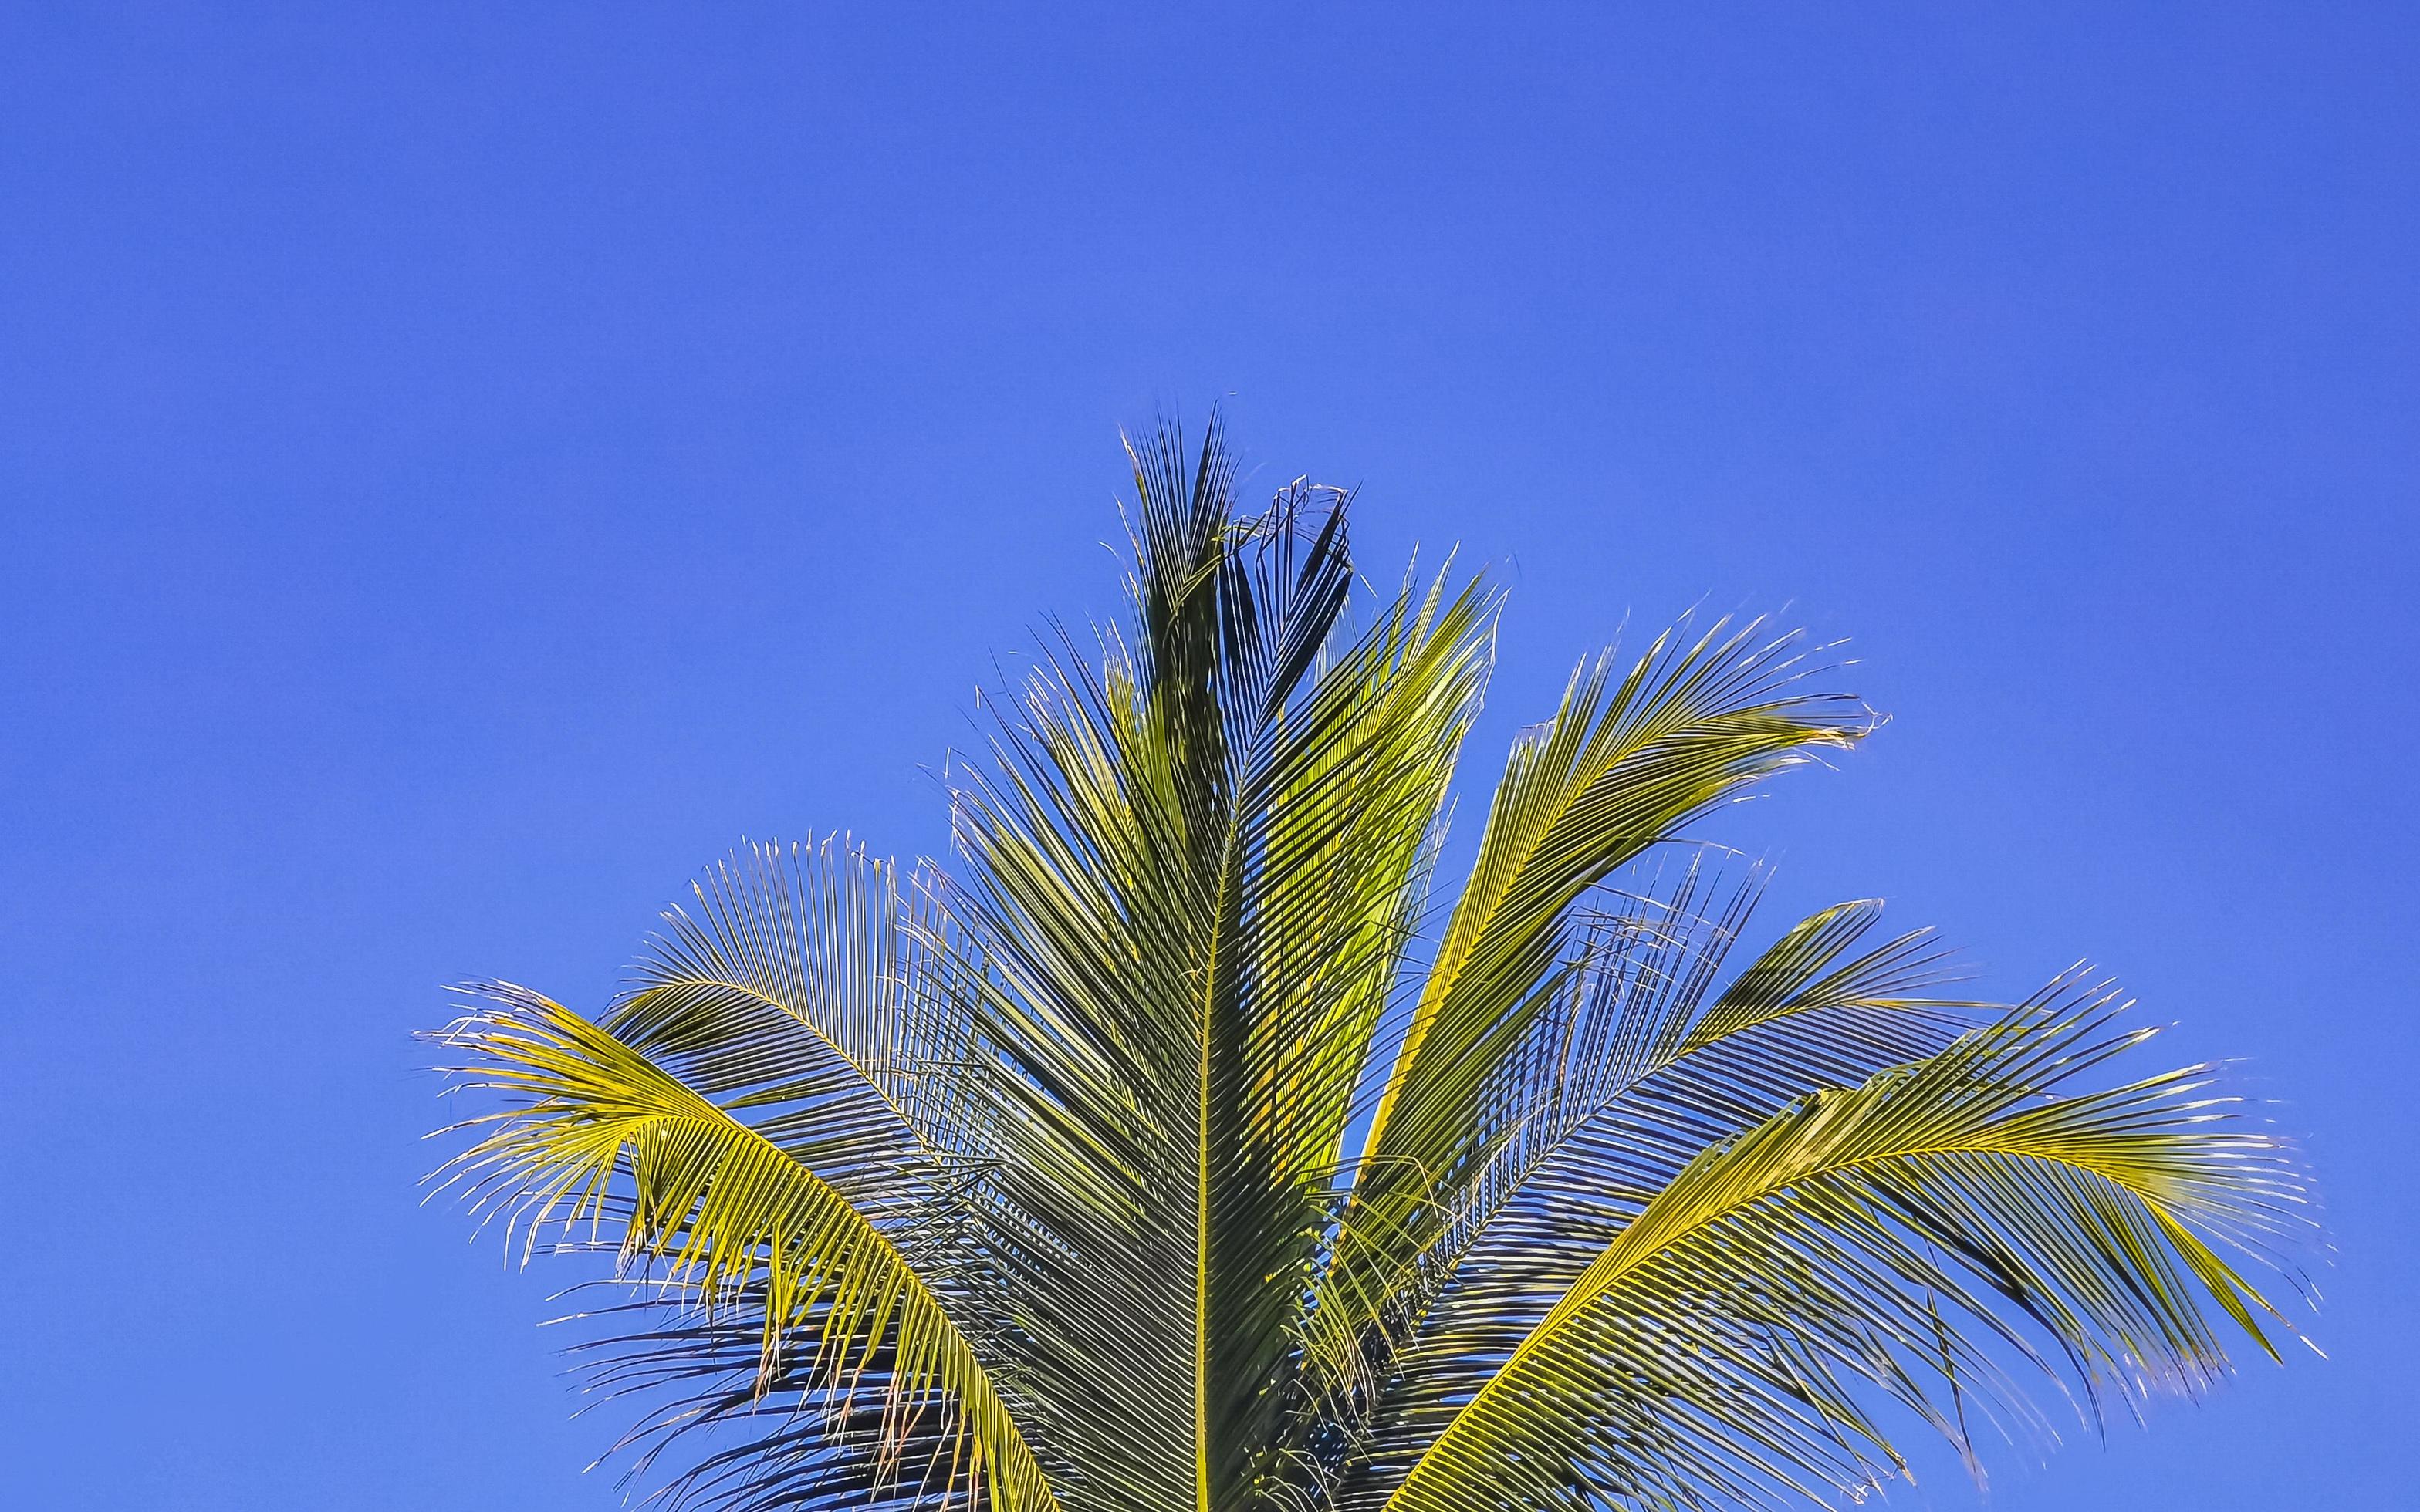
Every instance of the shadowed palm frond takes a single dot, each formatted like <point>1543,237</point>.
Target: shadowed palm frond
<point>1192,893</point>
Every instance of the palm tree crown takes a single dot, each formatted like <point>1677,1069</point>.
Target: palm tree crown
<point>1160,1155</point>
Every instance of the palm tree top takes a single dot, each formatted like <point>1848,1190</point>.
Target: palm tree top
<point>1157,1153</point>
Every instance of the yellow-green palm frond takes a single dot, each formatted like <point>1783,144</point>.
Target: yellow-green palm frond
<point>823,940</point>
<point>1730,1343</point>
<point>736,1133</point>
<point>1622,766</point>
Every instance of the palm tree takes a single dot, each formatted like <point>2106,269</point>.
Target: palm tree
<point>1161,1156</point>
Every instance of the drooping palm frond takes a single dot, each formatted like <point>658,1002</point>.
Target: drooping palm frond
<point>742,1120</point>
<point>1649,1063</point>
<point>1145,1160</point>
<point>1868,1239</point>
<point>778,940</point>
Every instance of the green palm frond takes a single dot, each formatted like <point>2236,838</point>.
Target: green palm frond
<point>1620,766</point>
<point>1148,1158</point>
<point>1193,893</point>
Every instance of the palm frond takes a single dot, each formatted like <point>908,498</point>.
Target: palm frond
<point>1623,764</point>
<point>1191,883</point>
<point>1620,766</point>
<point>744,1440</point>
<point>1638,1062</point>
<point>1648,1063</point>
<point>1725,1346</point>
<point>818,1220</point>
<point>794,992</point>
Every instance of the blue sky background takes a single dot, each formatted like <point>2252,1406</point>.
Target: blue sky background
<point>463,469</point>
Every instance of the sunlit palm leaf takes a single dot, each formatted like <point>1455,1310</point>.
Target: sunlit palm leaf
<point>600,1131</point>
<point>1713,1351</point>
<point>780,939</point>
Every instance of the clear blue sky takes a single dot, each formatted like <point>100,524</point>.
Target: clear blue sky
<point>463,471</point>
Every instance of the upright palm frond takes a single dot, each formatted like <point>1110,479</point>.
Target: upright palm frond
<point>1620,766</point>
<point>1147,1158</point>
<point>1192,883</point>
